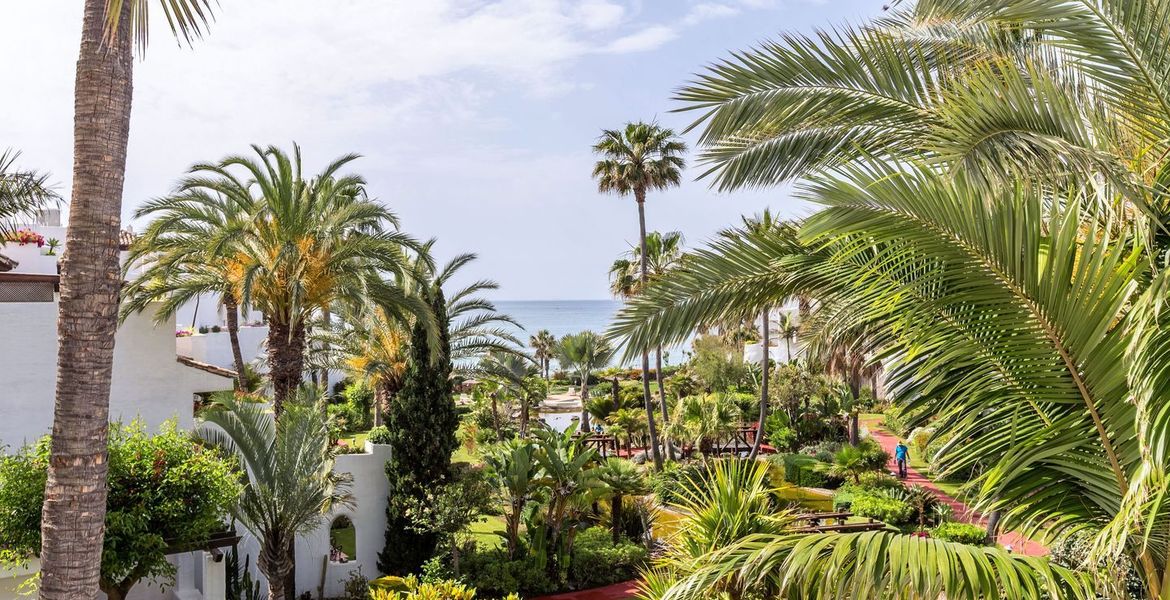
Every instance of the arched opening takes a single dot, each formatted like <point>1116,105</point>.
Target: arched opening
<point>342,540</point>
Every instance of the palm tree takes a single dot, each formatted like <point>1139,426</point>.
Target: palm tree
<point>663,252</point>
<point>640,158</point>
<point>585,352</point>
<point>544,347</point>
<point>933,265</point>
<point>87,317</point>
<point>186,252</point>
<point>310,246</point>
<point>789,329</point>
<point>288,464</point>
<point>22,191</point>
<point>513,372</point>
<point>621,478</point>
<point>627,422</point>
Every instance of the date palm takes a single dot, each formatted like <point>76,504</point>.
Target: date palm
<point>640,158</point>
<point>185,252</point>
<point>585,353</point>
<point>288,466</point>
<point>517,374</point>
<point>75,493</point>
<point>310,245</point>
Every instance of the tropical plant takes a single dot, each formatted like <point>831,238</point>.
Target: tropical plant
<point>704,420</point>
<point>22,191</point>
<point>188,251</point>
<point>287,464</point>
<point>516,375</point>
<point>626,422</point>
<point>570,481</point>
<point>640,158</point>
<point>87,316</point>
<point>544,349</point>
<point>621,478</point>
<point>584,353</point>
<point>664,251</point>
<point>309,246</point>
<point>513,467</point>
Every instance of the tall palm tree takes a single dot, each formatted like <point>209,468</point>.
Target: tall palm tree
<point>22,191</point>
<point>288,465</point>
<point>544,348</point>
<point>186,252</point>
<point>75,492</point>
<point>640,158</point>
<point>789,329</point>
<point>663,252</point>
<point>310,245</point>
<point>585,352</point>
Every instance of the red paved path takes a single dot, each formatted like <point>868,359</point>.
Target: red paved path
<point>617,591</point>
<point>963,513</point>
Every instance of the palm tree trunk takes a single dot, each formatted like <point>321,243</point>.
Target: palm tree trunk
<point>524,409</point>
<point>763,390</point>
<point>74,511</point>
<point>584,423</point>
<point>326,316</point>
<point>233,327</point>
<point>381,402</point>
<point>615,515</point>
<point>640,197</point>
<point>286,362</point>
<point>662,400</point>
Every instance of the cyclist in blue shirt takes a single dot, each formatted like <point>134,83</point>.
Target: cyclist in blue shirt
<point>902,456</point>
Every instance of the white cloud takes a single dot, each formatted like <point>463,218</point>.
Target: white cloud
<point>647,39</point>
<point>600,14</point>
<point>708,10</point>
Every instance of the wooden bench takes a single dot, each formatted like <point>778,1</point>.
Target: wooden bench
<point>814,519</point>
<point>843,528</point>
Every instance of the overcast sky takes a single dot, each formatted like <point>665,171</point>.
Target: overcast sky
<point>474,117</point>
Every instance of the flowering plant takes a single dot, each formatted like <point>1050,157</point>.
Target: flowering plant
<point>25,236</point>
<point>184,332</point>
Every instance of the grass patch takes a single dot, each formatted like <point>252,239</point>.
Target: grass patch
<point>345,539</point>
<point>486,532</point>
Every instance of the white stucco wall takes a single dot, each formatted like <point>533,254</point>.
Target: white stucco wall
<point>216,348</point>
<point>147,382</point>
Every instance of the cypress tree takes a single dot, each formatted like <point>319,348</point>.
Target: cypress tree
<point>422,422</point>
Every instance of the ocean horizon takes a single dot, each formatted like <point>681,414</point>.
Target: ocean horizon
<point>564,317</point>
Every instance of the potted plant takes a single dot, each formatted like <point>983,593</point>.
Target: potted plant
<point>53,244</point>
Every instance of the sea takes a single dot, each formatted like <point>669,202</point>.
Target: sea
<point>562,317</point>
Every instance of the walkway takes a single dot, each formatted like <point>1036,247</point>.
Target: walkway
<point>617,591</point>
<point>962,512</point>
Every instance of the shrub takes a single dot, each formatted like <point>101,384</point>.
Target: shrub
<point>204,329</point>
<point>1074,552</point>
<point>777,432</point>
<point>409,587</point>
<point>668,483</point>
<point>876,480</point>
<point>823,450</point>
<point>962,533</point>
<point>802,470</point>
<point>876,505</point>
<point>597,561</point>
<point>493,574</point>
<point>379,435</point>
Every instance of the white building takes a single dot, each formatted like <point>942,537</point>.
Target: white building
<point>780,350</point>
<point>156,377</point>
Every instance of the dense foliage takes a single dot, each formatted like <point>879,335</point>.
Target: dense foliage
<point>422,421</point>
<point>165,491</point>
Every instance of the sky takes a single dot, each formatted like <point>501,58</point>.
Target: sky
<point>474,118</point>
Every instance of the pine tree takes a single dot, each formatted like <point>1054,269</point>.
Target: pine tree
<point>422,422</point>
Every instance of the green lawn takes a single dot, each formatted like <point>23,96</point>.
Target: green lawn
<point>486,531</point>
<point>345,539</point>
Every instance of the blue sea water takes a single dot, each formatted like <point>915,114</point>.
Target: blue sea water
<point>563,317</point>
